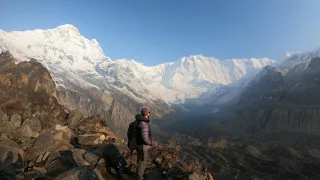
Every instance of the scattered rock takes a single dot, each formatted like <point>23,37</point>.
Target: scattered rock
<point>16,120</point>
<point>77,155</point>
<point>42,144</point>
<point>8,128</point>
<point>25,104</point>
<point>36,173</point>
<point>56,113</point>
<point>91,158</point>
<point>75,119</point>
<point>79,173</point>
<point>36,115</point>
<point>158,161</point>
<point>59,162</point>
<point>26,131</point>
<point>98,174</point>
<point>27,114</point>
<point>3,117</point>
<point>33,123</point>
<point>209,176</point>
<point>101,166</point>
<point>197,176</point>
<point>63,134</point>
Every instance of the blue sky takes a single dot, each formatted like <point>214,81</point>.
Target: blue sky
<point>159,31</point>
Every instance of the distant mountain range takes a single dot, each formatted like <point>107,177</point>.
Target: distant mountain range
<point>66,53</point>
<point>280,103</point>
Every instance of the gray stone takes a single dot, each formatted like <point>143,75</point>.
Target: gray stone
<point>101,166</point>
<point>16,119</point>
<point>98,174</point>
<point>63,134</point>
<point>77,155</point>
<point>33,123</point>
<point>26,131</point>
<point>91,158</point>
<point>36,115</point>
<point>43,143</point>
<point>197,176</point>
<point>91,139</point>
<point>26,114</point>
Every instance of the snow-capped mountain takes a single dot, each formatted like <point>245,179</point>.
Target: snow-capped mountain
<point>70,57</point>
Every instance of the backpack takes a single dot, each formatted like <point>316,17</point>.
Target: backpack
<point>131,135</point>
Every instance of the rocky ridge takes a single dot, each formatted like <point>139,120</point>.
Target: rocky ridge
<point>282,101</point>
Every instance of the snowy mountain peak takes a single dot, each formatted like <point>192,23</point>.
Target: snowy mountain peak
<point>194,58</point>
<point>68,28</point>
<point>62,45</point>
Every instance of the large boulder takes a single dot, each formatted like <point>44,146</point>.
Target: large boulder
<point>92,139</point>
<point>51,141</point>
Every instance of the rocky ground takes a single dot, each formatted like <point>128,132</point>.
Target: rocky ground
<point>81,148</point>
<point>245,159</point>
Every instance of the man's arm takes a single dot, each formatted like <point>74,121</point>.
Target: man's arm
<point>145,133</point>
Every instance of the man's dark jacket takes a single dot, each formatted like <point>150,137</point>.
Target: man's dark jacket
<point>143,131</point>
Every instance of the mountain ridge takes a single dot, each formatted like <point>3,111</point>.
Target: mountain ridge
<point>164,81</point>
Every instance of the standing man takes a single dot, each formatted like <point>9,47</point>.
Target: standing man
<point>144,140</point>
